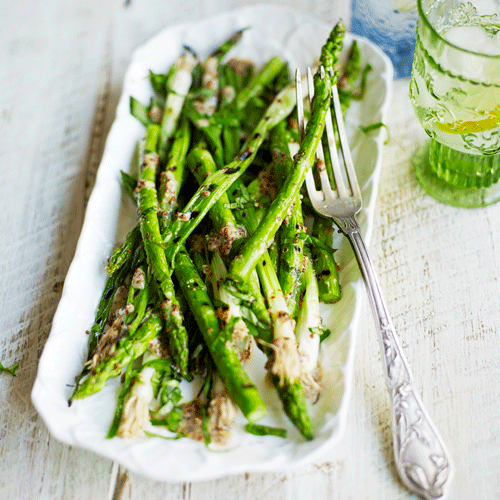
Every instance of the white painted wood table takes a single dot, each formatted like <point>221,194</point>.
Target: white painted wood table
<point>61,67</point>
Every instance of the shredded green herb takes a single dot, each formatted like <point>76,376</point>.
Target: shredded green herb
<point>265,430</point>
<point>322,331</point>
<point>10,369</point>
<point>152,434</point>
<point>376,126</point>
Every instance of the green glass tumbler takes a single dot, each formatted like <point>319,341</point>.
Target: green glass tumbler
<point>455,94</point>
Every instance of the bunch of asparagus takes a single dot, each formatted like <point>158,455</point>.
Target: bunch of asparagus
<point>220,260</point>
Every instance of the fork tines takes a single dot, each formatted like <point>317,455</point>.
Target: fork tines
<point>343,190</point>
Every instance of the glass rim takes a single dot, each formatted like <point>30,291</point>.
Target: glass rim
<point>422,16</point>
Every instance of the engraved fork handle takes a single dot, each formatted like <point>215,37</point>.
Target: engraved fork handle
<point>421,458</point>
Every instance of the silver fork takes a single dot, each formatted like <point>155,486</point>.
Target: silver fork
<point>421,458</point>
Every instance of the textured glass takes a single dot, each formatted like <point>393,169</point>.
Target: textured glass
<point>455,93</point>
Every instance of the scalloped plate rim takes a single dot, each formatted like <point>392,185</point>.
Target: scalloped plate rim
<point>43,394</point>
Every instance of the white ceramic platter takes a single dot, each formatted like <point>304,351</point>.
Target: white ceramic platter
<point>273,31</point>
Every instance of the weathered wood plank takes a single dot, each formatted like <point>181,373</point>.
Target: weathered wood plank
<point>62,64</point>
<point>439,265</point>
<point>51,57</point>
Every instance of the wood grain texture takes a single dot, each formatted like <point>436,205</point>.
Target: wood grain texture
<point>61,68</point>
<point>50,54</point>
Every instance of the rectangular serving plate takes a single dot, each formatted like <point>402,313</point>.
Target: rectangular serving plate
<point>297,38</point>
